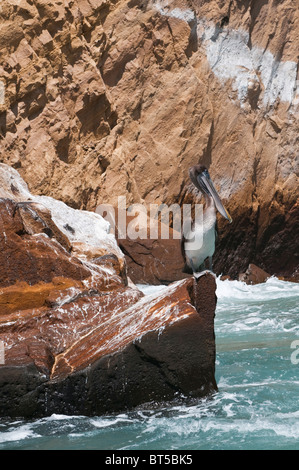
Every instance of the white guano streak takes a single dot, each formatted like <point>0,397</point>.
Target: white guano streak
<point>181,14</point>
<point>231,58</point>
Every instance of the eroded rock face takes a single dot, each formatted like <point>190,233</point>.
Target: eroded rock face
<point>25,257</point>
<point>102,98</point>
<point>94,355</point>
<point>78,335</point>
<point>51,255</point>
<point>155,257</point>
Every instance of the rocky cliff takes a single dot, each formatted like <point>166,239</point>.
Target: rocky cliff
<point>76,336</point>
<point>101,98</point>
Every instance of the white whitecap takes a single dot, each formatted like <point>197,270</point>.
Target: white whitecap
<point>18,434</point>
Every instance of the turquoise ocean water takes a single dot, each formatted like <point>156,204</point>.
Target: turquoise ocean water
<point>256,407</point>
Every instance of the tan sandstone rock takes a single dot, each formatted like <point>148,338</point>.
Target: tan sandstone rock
<point>120,97</point>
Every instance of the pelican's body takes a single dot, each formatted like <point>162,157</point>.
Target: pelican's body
<point>203,230</point>
<point>196,258</point>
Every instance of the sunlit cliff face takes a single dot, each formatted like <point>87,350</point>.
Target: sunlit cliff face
<point>120,98</point>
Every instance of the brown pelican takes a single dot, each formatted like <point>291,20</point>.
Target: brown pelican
<point>195,255</point>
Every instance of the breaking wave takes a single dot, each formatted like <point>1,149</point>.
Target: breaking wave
<point>256,406</point>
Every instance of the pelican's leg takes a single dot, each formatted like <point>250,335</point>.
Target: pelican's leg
<point>200,271</point>
<point>192,265</point>
<point>202,267</point>
<point>205,267</point>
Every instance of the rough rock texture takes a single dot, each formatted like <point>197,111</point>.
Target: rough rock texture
<point>93,355</point>
<point>155,256</point>
<point>254,275</point>
<point>78,335</point>
<point>102,98</point>
<point>153,261</point>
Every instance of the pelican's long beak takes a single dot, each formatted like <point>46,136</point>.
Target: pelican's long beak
<point>206,179</point>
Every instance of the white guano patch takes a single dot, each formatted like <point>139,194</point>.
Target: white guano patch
<point>181,14</point>
<point>230,58</point>
<point>80,226</point>
<point>278,78</point>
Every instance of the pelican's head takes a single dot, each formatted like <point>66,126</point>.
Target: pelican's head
<point>200,177</point>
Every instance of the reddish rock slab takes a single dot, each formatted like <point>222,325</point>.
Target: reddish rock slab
<point>32,256</point>
<point>156,313</point>
<point>106,353</point>
<point>78,336</point>
<point>153,261</point>
<point>154,256</point>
